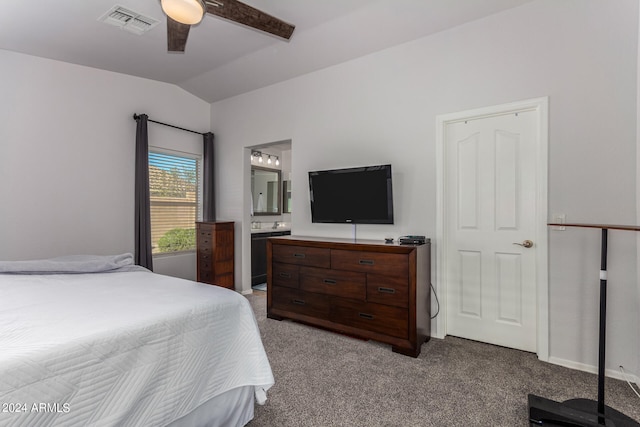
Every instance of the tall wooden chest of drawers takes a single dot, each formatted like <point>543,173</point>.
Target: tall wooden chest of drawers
<point>214,242</point>
<point>364,288</point>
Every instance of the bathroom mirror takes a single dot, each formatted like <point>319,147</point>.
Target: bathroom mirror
<point>265,191</point>
<point>286,196</point>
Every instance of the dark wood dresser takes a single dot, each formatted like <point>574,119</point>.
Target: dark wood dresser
<point>215,253</point>
<point>364,288</point>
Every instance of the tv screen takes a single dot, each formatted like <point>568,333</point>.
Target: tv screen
<point>356,195</point>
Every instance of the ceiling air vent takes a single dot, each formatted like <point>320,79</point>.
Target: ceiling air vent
<point>129,20</point>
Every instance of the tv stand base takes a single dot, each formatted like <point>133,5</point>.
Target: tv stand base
<point>574,413</point>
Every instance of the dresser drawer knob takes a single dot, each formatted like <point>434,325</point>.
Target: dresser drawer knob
<point>285,275</point>
<point>330,281</point>
<point>366,262</point>
<point>298,302</point>
<point>386,290</point>
<point>366,316</point>
<point>298,255</point>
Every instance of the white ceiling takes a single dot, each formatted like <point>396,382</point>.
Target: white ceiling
<point>224,59</point>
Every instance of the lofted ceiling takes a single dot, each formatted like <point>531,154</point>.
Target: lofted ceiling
<point>222,58</point>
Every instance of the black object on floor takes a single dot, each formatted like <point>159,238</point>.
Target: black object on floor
<point>575,413</point>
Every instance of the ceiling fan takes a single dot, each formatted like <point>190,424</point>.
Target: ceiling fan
<point>182,14</point>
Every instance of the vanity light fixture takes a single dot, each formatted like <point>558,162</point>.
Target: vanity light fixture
<point>257,156</point>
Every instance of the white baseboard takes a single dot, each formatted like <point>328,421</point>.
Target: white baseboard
<point>611,373</point>
<point>434,334</point>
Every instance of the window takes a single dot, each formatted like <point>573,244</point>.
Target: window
<point>175,193</point>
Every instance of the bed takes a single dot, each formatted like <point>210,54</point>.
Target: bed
<point>97,341</point>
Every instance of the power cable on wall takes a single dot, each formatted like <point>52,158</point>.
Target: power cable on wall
<point>624,374</point>
<point>437,302</point>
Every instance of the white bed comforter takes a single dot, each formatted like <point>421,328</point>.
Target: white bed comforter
<point>126,349</point>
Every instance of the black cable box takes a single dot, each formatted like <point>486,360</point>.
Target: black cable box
<point>412,240</point>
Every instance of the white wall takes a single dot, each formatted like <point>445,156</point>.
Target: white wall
<point>67,141</point>
<point>381,109</point>
<point>638,194</point>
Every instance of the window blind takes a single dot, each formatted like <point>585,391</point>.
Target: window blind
<point>175,190</point>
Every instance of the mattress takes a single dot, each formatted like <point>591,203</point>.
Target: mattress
<point>129,348</point>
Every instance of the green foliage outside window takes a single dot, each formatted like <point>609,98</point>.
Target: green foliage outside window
<point>178,239</point>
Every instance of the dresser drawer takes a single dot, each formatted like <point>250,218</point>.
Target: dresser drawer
<point>285,275</point>
<point>205,236</point>
<point>301,255</point>
<point>388,290</point>
<point>379,318</point>
<point>204,264</point>
<point>207,271</point>
<point>293,300</point>
<point>205,257</point>
<point>205,276</point>
<point>347,284</point>
<point>370,262</point>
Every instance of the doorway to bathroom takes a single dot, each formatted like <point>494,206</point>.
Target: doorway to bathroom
<point>269,207</point>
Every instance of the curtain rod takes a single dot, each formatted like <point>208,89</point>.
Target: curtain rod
<point>137,116</point>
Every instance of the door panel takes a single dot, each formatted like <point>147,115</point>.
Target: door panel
<point>470,284</point>
<point>490,204</point>
<point>468,182</point>
<point>509,285</point>
<point>506,191</point>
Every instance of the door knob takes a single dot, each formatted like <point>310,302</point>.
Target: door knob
<point>525,244</point>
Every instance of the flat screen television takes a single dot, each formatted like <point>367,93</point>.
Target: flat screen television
<point>361,195</point>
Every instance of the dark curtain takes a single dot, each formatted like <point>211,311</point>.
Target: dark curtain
<point>208,190</point>
<point>142,202</point>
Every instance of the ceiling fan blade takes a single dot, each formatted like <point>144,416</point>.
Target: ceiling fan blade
<point>177,34</point>
<point>236,11</point>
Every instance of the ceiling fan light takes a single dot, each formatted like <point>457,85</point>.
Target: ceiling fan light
<point>188,12</point>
